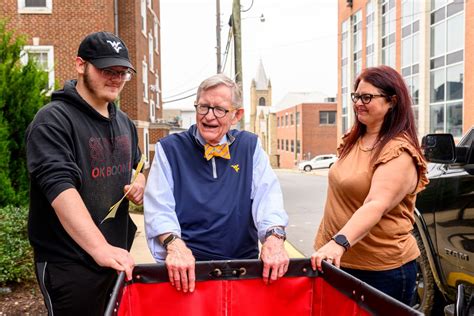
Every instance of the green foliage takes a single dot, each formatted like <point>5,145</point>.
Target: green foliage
<point>16,254</point>
<point>22,94</point>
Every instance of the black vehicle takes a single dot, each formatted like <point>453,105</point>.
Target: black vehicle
<point>445,226</point>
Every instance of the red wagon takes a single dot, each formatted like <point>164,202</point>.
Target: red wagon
<point>235,288</point>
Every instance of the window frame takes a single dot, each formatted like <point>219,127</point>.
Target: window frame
<point>49,50</point>
<point>23,9</point>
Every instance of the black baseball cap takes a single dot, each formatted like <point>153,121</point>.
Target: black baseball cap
<point>104,49</point>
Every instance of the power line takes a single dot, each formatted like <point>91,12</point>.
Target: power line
<point>179,99</point>
<point>183,92</point>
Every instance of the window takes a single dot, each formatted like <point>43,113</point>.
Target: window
<point>143,16</point>
<point>286,119</point>
<point>156,37</point>
<point>278,144</point>
<point>278,125</point>
<point>286,142</point>
<point>411,13</point>
<point>297,146</point>
<point>369,40</point>
<point>447,67</point>
<point>44,58</point>
<point>152,111</point>
<point>146,146</point>
<point>261,101</point>
<point>297,118</point>
<point>327,117</point>
<point>345,73</point>
<point>150,52</point>
<point>388,32</point>
<point>145,80</point>
<point>357,41</point>
<point>292,146</point>
<point>291,119</point>
<point>35,6</point>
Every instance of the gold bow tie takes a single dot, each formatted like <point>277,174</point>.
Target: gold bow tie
<point>216,151</point>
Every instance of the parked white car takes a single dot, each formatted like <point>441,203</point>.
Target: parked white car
<point>318,162</point>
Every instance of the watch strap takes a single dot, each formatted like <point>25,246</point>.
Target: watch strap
<point>168,240</point>
<point>278,232</point>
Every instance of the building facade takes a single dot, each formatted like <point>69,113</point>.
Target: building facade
<point>305,130</point>
<point>262,116</point>
<point>54,30</point>
<point>429,42</point>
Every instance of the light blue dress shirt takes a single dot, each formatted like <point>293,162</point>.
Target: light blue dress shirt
<point>159,202</point>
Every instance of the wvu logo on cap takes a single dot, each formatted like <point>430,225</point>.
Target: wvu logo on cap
<point>236,167</point>
<point>115,45</point>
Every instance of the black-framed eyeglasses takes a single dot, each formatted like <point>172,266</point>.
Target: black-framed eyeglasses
<point>110,74</point>
<point>365,97</point>
<point>218,111</point>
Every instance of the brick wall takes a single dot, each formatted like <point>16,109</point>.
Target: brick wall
<point>315,139</point>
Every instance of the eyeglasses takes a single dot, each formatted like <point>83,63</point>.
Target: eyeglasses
<point>365,98</point>
<point>218,111</point>
<point>110,74</point>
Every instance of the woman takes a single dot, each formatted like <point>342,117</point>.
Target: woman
<point>369,212</point>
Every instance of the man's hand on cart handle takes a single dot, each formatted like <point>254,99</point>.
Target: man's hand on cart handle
<point>180,263</point>
<point>275,259</point>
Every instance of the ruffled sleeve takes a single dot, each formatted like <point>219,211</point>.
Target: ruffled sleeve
<point>394,149</point>
<point>341,144</point>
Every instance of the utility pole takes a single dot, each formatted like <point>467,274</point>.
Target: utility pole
<point>218,35</point>
<point>236,30</point>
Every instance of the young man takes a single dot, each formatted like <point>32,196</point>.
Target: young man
<point>212,194</point>
<point>80,152</point>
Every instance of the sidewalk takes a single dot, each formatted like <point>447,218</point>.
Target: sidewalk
<point>316,172</point>
<point>141,253</point>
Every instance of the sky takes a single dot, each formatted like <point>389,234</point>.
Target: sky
<point>297,44</point>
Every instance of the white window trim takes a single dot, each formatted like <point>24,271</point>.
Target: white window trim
<point>158,91</point>
<point>152,111</point>
<point>156,37</point>
<point>41,48</point>
<point>150,52</point>
<point>145,80</point>
<point>143,16</point>
<point>48,9</point>
<point>146,147</point>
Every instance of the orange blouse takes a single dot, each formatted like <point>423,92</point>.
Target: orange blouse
<point>389,244</point>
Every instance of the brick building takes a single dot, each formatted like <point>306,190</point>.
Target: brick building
<point>306,127</point>
<point>54,30</point>
<point>428,42</point>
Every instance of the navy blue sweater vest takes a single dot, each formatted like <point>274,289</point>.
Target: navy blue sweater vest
<point>215,214</point>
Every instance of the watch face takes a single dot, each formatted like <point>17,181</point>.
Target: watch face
<point>277,232</point>
<point>342,241</point>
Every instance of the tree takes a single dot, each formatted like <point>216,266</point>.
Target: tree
<point>22,93</point>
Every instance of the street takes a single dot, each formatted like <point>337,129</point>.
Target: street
<point>304,196</point>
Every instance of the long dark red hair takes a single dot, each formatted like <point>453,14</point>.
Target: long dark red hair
<point>398,120</point>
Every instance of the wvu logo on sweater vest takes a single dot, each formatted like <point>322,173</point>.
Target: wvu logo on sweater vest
<point>236,167</point>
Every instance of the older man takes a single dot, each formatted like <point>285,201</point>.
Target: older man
<point>211,192</point>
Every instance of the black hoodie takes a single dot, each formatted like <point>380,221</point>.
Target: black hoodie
<point>71,145</point>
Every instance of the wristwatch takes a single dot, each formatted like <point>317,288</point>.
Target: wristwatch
<point>168,240</point>
<point>341,240</point>
<point>276,231</point>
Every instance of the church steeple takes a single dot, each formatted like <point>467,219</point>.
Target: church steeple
<point>261,80</point>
